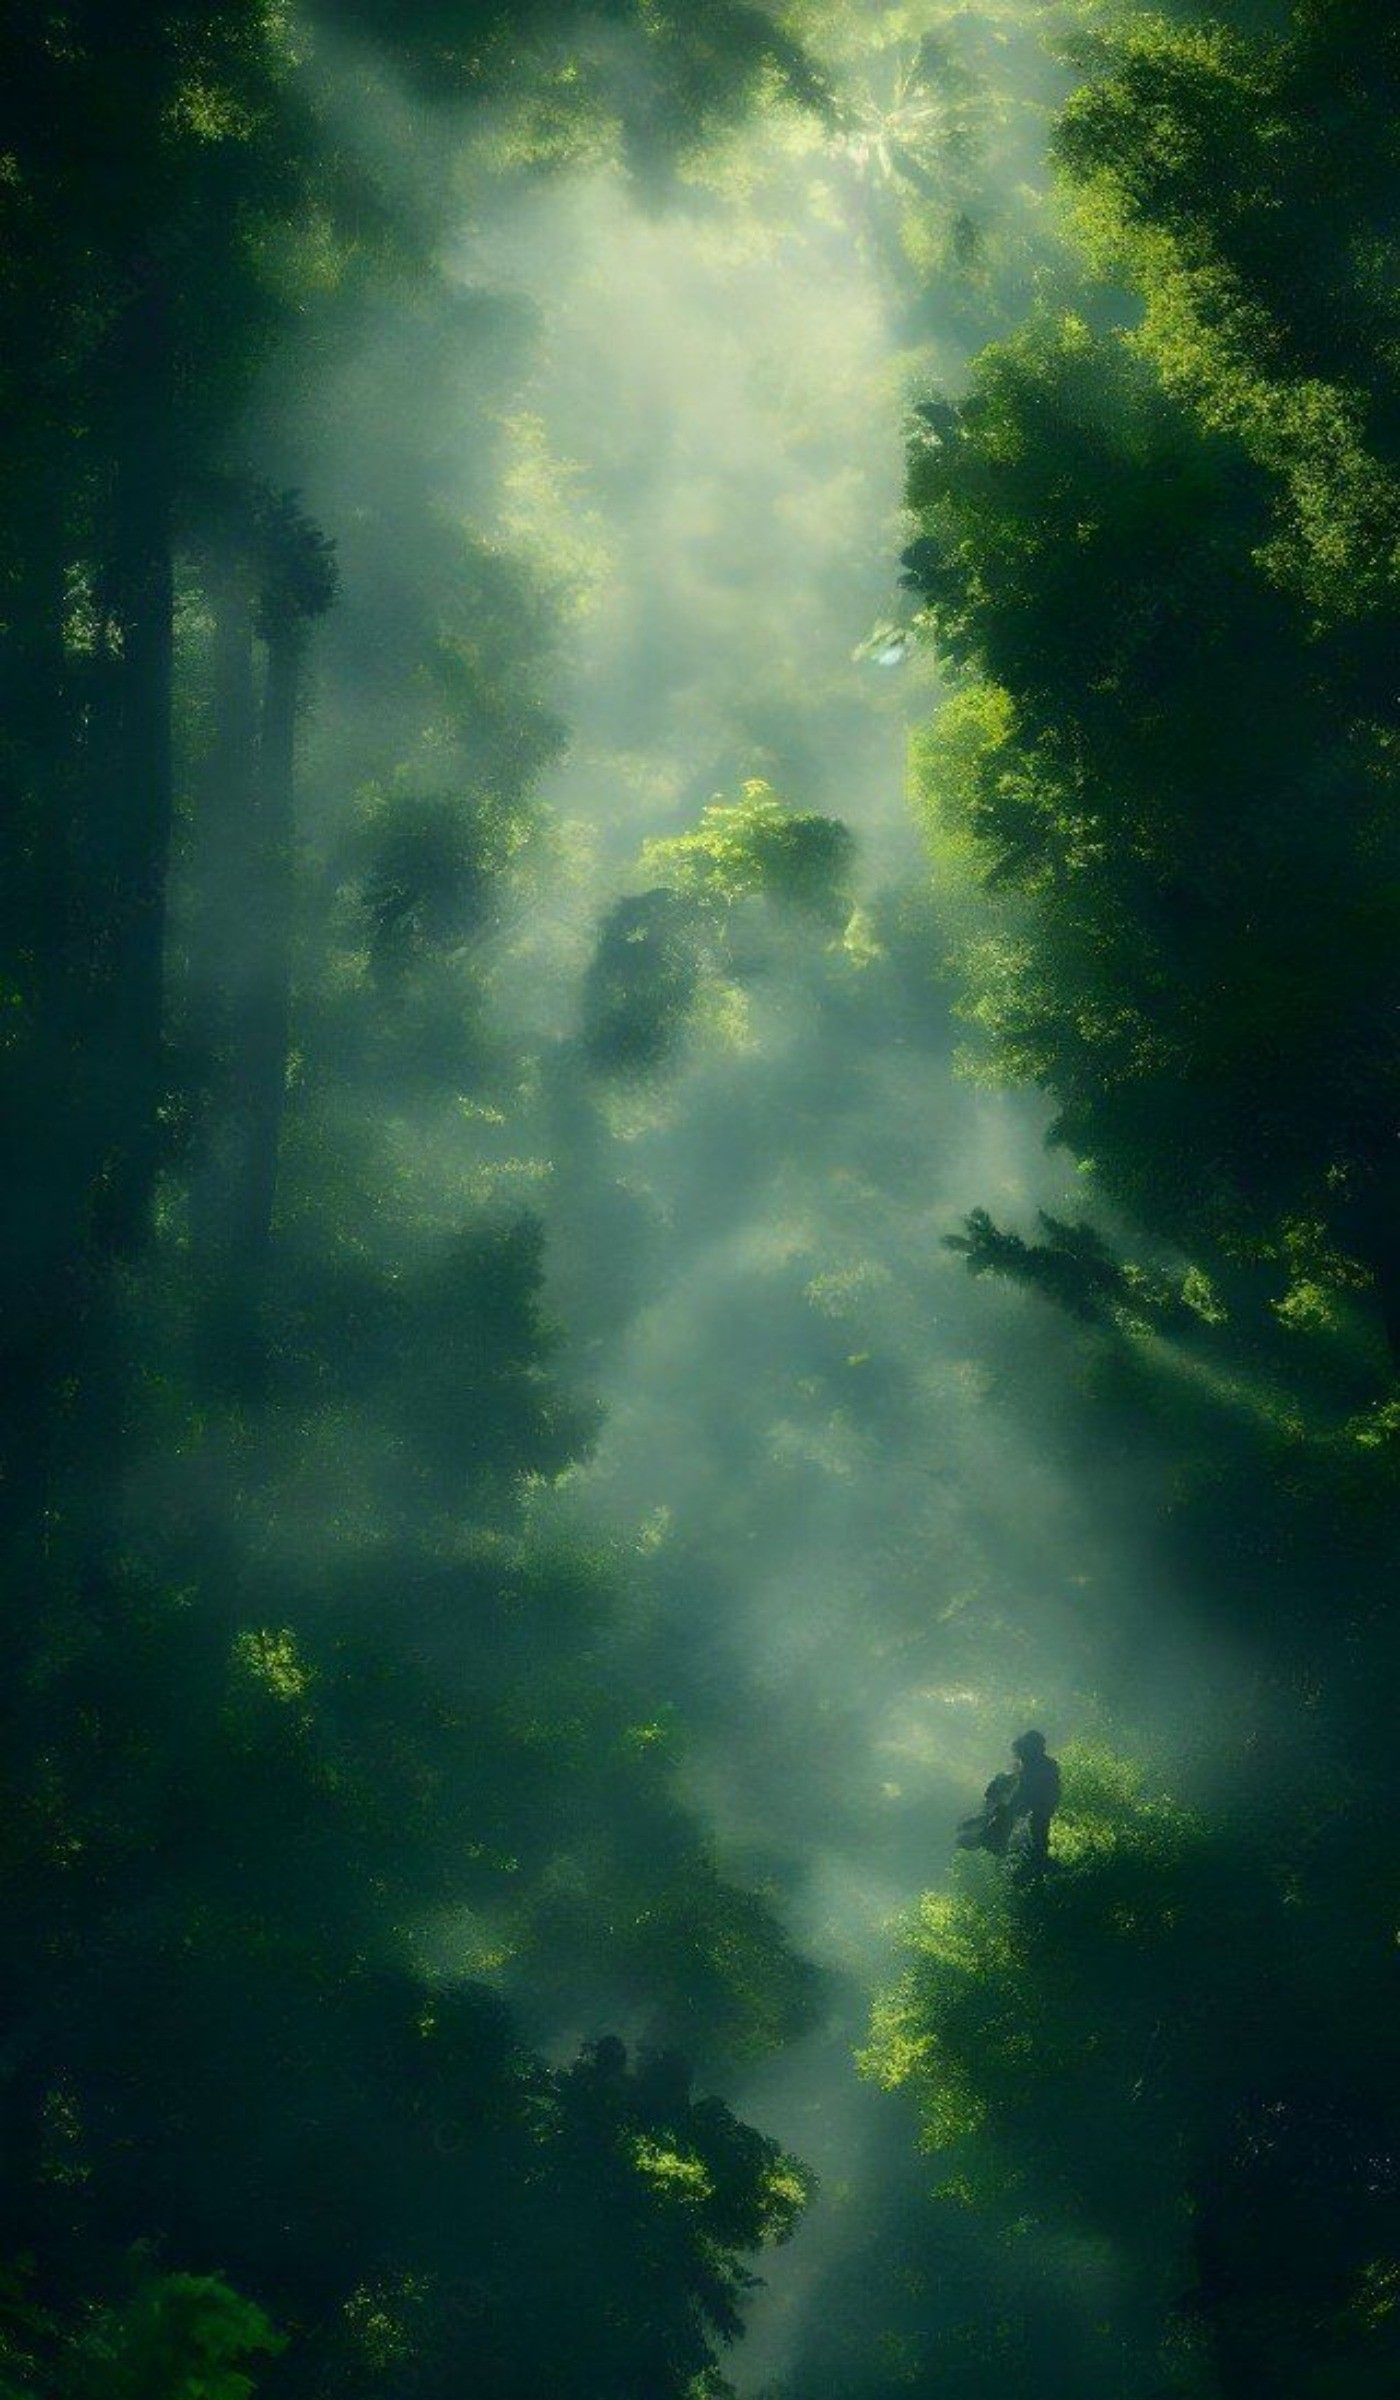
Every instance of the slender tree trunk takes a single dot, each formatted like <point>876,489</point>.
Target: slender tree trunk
<point>1383,1251</point>
<point>44,1213</point>
<point>1371,1227</point>
<point>1387,1273</point>
<point>268,1024</point>
<point>135,781</point>
<point>226,909</point>
<point>295,584</point>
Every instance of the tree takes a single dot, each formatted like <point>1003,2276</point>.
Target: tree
<point>169,2337</point>
<point>1158,563</point>
<point>1134,2052</point>
<point>1174,942</point>
<point>308,1737</point>
<point>660,949</point>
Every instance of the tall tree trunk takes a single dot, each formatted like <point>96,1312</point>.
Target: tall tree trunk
<point>268,1023</point>
<point>296,583</point>
<point>226,906</point>
<point>44,1215</point>
<point>135,781</point>
<point>1370,1226</point>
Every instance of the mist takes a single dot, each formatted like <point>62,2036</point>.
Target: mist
<point>865,1562</point>
<point>702,1048</point>
<point>861,1560</point>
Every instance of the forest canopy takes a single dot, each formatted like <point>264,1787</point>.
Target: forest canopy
<point>606,1290</point>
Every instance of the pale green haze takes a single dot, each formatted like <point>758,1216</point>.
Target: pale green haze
<point>697,1016</point>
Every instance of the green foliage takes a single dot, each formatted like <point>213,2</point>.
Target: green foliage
<point>340,1801</point>
<point>181,2337</point>
<point>1268,277</point>
<point>1158,564</point>
<point>755,847</point>
<point>175,2337</point>
<point>650,78</point>
<point>1026,2011</point>
<point>643,983</point>
<point>1122,2050</point>
<point>1195,978</point>
<point>306,1727</point>
<point>663,953</point>
<point>429,880</point>
<point>1075,1267</point>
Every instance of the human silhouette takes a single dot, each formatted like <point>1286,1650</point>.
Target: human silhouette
<point>1028,1795</point>
<point>1037,1793</point>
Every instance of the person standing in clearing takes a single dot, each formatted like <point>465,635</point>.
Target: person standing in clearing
<point>1028,1796</point>
<point>1037,1793</point>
